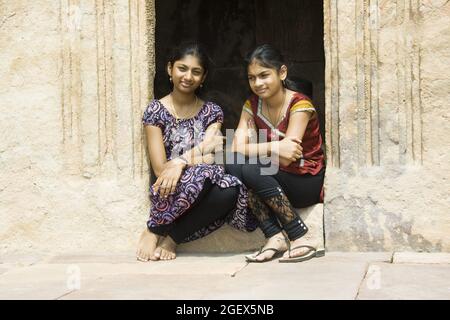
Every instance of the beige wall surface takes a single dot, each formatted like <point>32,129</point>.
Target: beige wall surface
<point>388,88</point>
<point>76,76</point>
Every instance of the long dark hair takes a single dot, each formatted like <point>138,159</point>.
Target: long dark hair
<point>270,57</point>
<point>195,49</point>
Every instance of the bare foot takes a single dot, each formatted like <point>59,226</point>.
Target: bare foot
<point>277,242</point>
<point>166,250</point>
<point>296,252</point>
<point>147,245</point>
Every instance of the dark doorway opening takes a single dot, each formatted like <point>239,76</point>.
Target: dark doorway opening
<point>229,30</point>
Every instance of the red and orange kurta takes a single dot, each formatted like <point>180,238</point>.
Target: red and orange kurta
<point>312,161</point>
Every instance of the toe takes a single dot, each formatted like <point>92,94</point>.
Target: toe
<point>264,256</point>
<point>299,252</point>
<point>302,252</point>
<point>145,256</point>
<point>140,256</point>
<point>156,255</point>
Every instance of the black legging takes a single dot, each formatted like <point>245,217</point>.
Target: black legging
<point>212,204</point>
<point>301,190</point>
<point>280,193</point>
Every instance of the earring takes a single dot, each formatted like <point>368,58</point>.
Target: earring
<point>284,83</point>
<point>201,85</point>
<point>170,79</point>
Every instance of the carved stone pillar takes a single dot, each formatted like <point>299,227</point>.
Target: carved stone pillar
<point>387,81</point>
<point>105,84</point>
<point>76,77</point>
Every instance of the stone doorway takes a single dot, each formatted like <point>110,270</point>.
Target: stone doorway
<point>229,30</point>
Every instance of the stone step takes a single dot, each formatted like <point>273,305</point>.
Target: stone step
<point>230,240</point>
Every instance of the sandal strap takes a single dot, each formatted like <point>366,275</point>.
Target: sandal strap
<point>311,248</point>
<point>259,252</point>
<point>269,249</point>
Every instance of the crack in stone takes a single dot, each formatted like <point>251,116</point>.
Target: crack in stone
<point>362,281</point>
<point>239,270</point>
<point>5,18</point>
<point>65,294</point>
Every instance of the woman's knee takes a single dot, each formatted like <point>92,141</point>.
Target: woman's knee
<point>225,197</point>
<point>233,164</point>
<point>234,169</point>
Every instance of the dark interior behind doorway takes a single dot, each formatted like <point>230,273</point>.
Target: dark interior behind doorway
<point>230,29</point>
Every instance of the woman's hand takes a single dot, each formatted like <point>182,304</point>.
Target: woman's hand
<point>209,158</point>
<point>252,131</point>
<point>169,177</point>
<point>290,148</point>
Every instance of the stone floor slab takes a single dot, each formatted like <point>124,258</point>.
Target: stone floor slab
<point>359,256</point>
<point>329,277</point>
<point>338,275</point>
<point>406,282</point>
<point>53,280</point>
<point>421,257</point>
<point>35,282</point>
<point>150,287</point>
<point>319,278</point>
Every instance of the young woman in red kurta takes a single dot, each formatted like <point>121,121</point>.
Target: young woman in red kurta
<point>288,123</point>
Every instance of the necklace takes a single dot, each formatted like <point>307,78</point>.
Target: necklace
<point>275,123</point>
<point>189,115</point>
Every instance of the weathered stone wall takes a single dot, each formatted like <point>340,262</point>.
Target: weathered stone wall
<point>75,78</point>
<point>387,94</point>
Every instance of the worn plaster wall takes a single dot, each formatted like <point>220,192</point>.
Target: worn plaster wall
<point>387,93</point>
<point>75,78</point>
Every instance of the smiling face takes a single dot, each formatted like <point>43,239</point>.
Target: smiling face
<point>265,82</point>
<point>187,74</point>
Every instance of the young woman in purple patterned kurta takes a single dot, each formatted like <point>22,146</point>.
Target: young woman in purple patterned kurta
<point>192,196</point>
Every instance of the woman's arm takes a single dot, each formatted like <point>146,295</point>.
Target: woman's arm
<point>296,129</point>
<point>212,141</point>
<point>287,148</point>
<point>241,140</point>
<point>203,152</point>
<point>156,150</point>
<point>168,173</point>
